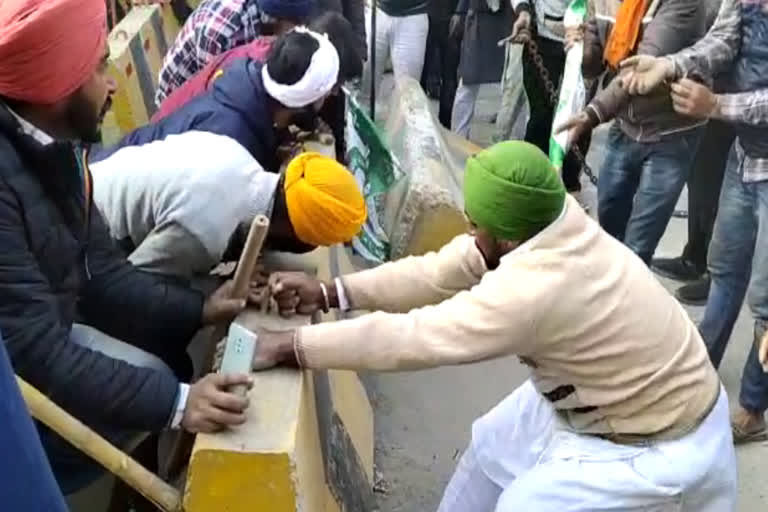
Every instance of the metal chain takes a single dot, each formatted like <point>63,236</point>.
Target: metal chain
<point>554,98</point>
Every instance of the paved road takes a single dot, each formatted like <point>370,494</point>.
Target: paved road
<point>423,419</point>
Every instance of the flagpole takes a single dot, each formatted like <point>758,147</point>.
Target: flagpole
<point>374,8</point>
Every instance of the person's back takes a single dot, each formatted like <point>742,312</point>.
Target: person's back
<point>237,106</point>
<point>603,309</point>
<point>189,191</point>
<point>203,79</point>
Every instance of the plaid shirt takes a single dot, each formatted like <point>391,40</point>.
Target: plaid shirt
<point>716,50</point>
<point>215,27</point>
<point>713,55</point>
<point>748,108</point>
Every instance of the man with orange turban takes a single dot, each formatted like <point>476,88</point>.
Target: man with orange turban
<point>58,262</point>
<point>181,205</point>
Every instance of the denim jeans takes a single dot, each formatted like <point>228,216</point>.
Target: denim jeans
<point>73,469</point>
<point>639,185</point>
<point>738,263</point>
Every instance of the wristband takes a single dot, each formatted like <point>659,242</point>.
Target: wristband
<point>326,300</point>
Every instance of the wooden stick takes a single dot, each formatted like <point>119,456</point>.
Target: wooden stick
<point>243,276</point>
<point>99,449</point>
<point>251,252</point>
<point>182,447</point>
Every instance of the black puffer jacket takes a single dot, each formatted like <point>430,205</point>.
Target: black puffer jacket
<point>57,263</point>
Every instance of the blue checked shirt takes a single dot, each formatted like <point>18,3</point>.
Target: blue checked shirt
<point>213,28</point>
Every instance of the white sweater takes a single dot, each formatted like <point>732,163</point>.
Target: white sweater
<point>606,343</point>
<point>203,183</point>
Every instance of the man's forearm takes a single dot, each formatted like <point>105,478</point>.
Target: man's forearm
<point>417,281</point>
<point>746,107</point>
<point>713,53</point>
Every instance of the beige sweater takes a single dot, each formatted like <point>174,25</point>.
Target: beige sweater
<point>607,344</point>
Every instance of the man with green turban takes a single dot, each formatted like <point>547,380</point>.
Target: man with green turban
<point>623,410</point>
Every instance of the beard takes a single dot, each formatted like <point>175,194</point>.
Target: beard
<point>84,120</point>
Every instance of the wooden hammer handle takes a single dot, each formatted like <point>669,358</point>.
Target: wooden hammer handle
<point>99,449</point>
<point>251,251</point>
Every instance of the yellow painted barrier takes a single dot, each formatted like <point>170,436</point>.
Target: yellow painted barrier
<point>137,46</point>
<point>308,441</point>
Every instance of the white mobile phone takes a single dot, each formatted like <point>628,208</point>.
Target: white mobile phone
<point>238,353</point>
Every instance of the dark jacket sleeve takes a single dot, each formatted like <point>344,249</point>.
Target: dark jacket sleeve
<point>592,64</point>
<point>675,25</point>
<point>354,11</point>
<point>87,383</point>
<point>132,305</point>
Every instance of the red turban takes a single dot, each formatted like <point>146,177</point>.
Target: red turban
<point>49,48</point>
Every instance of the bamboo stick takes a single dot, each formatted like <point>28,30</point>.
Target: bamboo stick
<point>99,449</point>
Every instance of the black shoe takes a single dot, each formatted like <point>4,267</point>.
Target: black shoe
<point>675,268</point>
<point>695,293</point>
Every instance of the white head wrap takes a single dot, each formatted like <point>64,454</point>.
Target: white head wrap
<point>318,80</point>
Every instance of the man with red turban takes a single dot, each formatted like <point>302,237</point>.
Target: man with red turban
<point>58,264</point>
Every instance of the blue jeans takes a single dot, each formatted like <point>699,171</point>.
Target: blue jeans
<point>639,185</point>
<point>738,251</point>
<point>73,469</point>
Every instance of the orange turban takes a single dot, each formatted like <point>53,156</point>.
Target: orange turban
<point>324,201</point>
<point>49,48</point>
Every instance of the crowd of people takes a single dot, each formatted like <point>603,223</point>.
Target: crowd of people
<point>107,251</point>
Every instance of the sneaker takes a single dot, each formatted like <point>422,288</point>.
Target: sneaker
<point>694,293</point>
<point>675,268</point>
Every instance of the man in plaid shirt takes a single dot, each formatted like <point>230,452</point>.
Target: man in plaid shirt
<point>219,25</point>
<point>738,252</point>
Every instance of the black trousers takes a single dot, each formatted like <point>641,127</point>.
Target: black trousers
<point>541,107</point>
<point>441,63</point>
<point>704,183</point>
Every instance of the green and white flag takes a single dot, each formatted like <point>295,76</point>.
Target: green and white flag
<point>376,170</point>
<point>572,91</point>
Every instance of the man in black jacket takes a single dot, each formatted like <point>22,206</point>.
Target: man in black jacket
<point>58,265</point>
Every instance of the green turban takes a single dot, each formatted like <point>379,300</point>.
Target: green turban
<point>512,190</point>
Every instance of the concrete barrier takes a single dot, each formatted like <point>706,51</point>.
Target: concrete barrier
<point>137,46</point>
<point>308,442</point>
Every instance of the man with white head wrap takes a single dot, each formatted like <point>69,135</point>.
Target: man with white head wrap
<point>251,101</point>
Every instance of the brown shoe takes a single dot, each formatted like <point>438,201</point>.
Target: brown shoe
<point>748,427</point>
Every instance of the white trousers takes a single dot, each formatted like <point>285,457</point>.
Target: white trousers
<point>401,38</point>
<point>464,108</point>
<point>521,459</point>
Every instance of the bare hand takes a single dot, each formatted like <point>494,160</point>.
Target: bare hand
<point>645,73</point>
<point>456,28</point>
<point>221,307</point>
<point>577,125</point>
<point>693,99</point>
<point>521,30</point>
<point>211,407</point>
<point>762,352</point>
<point>573,35</point>
<point>296,292</point>
<point>274,348</point>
